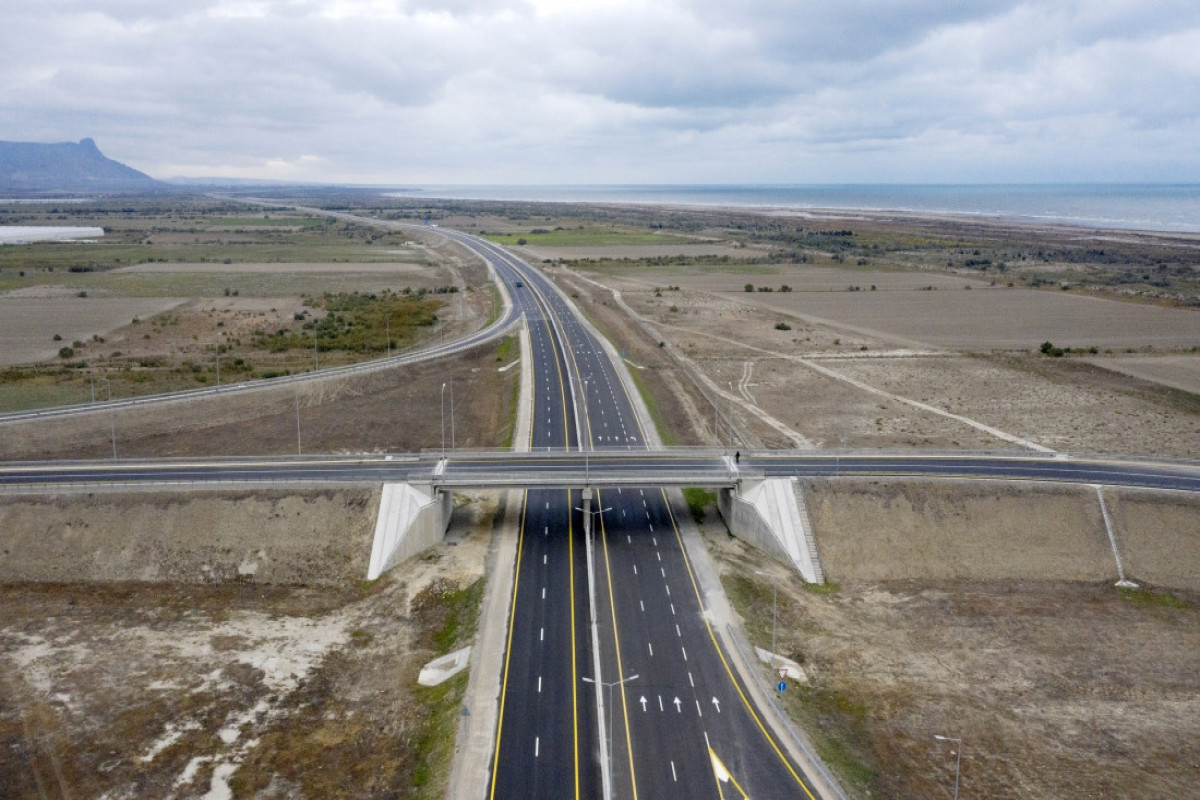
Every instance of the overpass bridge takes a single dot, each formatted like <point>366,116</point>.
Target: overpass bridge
<point>599,468</point>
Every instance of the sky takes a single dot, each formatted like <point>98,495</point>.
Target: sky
<point>394,92</point>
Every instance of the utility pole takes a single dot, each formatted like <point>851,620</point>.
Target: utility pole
<point>298,451</point>
<point>112,422</point>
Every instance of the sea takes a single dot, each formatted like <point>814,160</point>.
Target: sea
<point>1126,206</point>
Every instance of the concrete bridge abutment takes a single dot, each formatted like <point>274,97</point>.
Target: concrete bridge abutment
<point>771,515</point>
<point>411,519</point>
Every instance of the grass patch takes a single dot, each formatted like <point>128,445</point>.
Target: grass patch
<point>1149,598</point>
<point>822,588</point>
<point>836,725</point>
<point>699,500</point>
<point>506,350</point>
<point>588,237</point>
<point>836,722</point>
<point>664,432</point>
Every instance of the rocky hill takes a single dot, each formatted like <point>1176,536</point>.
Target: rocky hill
<point>66,167</point>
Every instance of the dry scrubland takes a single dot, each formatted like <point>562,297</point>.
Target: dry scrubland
<point>982,611</point>
<point>264,666</point>
<point>175,286</point>
<point>987,612</point>
<point>732,337</point>
<point>385,411</point>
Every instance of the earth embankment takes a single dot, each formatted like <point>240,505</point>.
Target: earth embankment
<point>871,530</point>
<point>311,536</point>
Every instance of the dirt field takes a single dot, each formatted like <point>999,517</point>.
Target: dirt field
<point>1180,372</point>
<point>288,536</point>
<point>975,612</point>
<point>811,380</point>
<point>29,320</point>
<point>238,687</point>
<point>388,411</point>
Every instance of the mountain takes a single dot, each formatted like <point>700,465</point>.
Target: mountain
<point>67,167</point>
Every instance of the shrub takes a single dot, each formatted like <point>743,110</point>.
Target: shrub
<point>749,287</point>
<point>65,352</point>
<point>1048,349</point>
<point>782,326</point>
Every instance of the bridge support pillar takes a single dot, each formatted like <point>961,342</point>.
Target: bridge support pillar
<point>411,519</point>
<point>771,515</point>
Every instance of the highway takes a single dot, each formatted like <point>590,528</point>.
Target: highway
<point>575,617</point>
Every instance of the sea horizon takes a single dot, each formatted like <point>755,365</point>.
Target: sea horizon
<point>1158,207</point>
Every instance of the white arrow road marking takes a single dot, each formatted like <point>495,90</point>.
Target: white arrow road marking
<point>643,702</point>
<point>678,705</point>
<point>717,703</point>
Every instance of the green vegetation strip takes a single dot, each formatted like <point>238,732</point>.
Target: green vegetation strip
<point>834,720</point>
<point>588,237</point>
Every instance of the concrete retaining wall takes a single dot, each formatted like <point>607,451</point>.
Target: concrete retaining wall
<point>765,514</point>
<point>410,520</point>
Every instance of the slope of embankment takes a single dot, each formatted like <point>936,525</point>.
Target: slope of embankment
<point>981,530</point>
<point>312,536</point>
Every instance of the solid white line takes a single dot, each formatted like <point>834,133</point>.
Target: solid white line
<point>692,682</point>
<point>543,592</point>
<point>651,648</point>
<point>542,637</point>
<point>673,775</point>
<point>642,604</point>
<point>537,746</point>
<point>539,684</point>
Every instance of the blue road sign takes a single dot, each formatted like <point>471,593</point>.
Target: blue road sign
<point>781,685</point>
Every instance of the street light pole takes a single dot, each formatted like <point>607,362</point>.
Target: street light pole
<point>443,420</point>
<point>452,447</point>
<point>298,451</point>
<point>587,425</point>
<point>730,383</point>
<point>609,687</point>
<point>958,761</point>
<point>112,422</point>
<point>774,611</point>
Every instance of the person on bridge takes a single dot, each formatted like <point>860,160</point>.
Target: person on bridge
<point>737,457</point>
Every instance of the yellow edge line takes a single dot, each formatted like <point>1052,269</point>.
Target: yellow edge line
<point>721,654</point>
<point>712,755</point>
<point>512,616</point>
<point>617,645</point>
<point>562,390</point>
<point>574,674</point>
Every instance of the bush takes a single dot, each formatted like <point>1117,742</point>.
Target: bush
<point>65,352</point>
<point>749,287</point>
<point>1048,349</point>
<point>782,326</point>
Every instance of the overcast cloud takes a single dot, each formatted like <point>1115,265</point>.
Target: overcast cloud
<point>614,91</point>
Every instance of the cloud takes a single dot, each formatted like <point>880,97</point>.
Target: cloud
<point>542,91</point>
